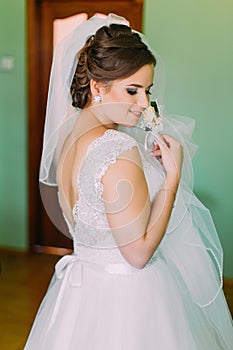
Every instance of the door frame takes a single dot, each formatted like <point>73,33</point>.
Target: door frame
<point>38,76</point>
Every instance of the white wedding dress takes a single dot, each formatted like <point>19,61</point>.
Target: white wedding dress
<point>97,301</point>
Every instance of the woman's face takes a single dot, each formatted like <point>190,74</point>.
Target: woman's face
<point>124,101</point>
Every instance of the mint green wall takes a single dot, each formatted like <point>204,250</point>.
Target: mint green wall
<point>195,39</point>
<point>13,174</point>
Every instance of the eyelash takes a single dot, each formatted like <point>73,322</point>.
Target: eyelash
<point>131,91</point>
<point>134,92</point>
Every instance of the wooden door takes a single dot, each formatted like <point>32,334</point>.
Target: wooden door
<point>44,236</point>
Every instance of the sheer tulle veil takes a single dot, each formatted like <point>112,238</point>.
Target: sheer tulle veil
<point>191,244</point>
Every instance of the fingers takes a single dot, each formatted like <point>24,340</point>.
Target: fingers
<point>169,143</point>
<point>161,144</point>
<point>165,143</point>
<point>156,150</point>
<point>169,152</point>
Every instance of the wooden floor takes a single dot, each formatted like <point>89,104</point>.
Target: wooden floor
<point>23,283</point>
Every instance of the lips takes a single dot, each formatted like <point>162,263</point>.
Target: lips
<point>137,114</point>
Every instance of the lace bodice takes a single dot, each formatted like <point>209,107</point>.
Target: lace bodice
<point>91,226</point>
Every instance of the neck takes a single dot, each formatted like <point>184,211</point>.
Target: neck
<point>96,117</point>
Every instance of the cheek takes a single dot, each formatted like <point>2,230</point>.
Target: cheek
<point>120,109</point>
<point>120,96</point>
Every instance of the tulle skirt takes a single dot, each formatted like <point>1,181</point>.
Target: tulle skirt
<point>94,307</point>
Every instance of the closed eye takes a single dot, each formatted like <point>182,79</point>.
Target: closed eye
<point>134,92</point>
<point>131,91</point>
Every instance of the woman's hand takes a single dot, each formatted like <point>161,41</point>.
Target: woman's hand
<point>170,153</point>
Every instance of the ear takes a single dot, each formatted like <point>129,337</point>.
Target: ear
<point>97,88</point>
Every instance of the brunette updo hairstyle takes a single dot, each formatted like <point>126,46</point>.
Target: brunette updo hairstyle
<point>114,52</point>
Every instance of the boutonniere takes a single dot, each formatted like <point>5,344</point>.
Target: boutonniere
<point>153,125</point>
<point>150,121</point>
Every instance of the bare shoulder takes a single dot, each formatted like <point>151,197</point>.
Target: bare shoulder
<point>125,177</point>
<point>126,197</point>
<point>128,163</point>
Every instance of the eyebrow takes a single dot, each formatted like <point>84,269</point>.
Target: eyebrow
<point>138,85</point>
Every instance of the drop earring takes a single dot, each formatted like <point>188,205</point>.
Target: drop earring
<point>97,99</point>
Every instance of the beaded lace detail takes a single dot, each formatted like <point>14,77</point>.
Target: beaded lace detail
<point>91,225</point>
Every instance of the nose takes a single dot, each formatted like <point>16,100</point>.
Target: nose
<point>143,100</point>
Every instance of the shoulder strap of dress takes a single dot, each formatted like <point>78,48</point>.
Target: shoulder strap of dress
<point>101,153</point>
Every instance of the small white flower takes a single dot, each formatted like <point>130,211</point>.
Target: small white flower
<point>149,114</point>
<point>150,121</point>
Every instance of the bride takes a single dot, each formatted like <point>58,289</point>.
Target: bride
<point>146,271</point>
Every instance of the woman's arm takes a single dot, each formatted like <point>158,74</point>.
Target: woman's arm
<point>137,226</point>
